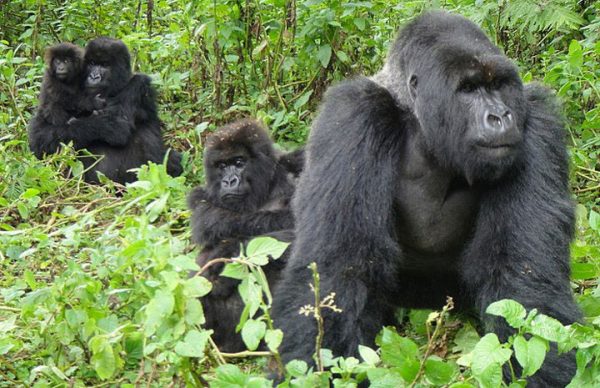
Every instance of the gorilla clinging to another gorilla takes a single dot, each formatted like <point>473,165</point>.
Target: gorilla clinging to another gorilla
<point>441,175</point>
<point>125,131</point>
<point>247,194</point>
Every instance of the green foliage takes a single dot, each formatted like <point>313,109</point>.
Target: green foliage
<point>95,287</point>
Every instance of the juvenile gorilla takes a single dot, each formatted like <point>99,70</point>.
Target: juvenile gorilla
<point>61,96</point>
<point>441,175</point>
<point>125,133</point>
<point>247,194</point>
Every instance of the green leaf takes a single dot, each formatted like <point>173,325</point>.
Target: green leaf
<point>548,328</point>
<point>296,368</point>
<point>487,360</point>
<point>273,339</point>
<point>512,311</point>
<point>193,344</point>
<point>400,352</point>
<point>197,286</point>
<point>260,249</point>
<point>439,372</point>
<point>369,355</point>
<point>324,55</point>
<point>194,313</point>
<point>530,354</point>
<point>235,271</point>
<point>229,376</point>
<point>575,54</point>
<point>252,332</point>
<point>385,378</point>
<point>465,339</point>
<point>103,358</point>
<point>157,310</point>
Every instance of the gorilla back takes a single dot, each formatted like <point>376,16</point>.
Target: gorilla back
<point>441,175</point>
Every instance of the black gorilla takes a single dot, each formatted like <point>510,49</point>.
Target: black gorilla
<point>247,194</point>
<point>61,96</point>
<point>125,133</point>
<point>441,175</point>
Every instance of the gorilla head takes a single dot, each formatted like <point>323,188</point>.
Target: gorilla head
<point>64,63</point>
<point>466,95</point>
<point>108,66</point>
<point>240,162</point>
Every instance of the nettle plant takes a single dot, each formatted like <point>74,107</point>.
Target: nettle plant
<point>400,361</point>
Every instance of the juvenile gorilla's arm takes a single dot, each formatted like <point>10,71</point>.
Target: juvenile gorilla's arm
<point>215,223</point>
<point>115,123</point>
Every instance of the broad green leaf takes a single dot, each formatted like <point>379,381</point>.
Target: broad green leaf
<point>296,368</point>
<point>487,360</point>
<point>548,328</point>
<point>235,271</point>
<point>324,55</point>
<point>103,358</point>
<point>197,286</point>
<point>385,378</point>
<point>259,249</point>
<point>194,313</point>
<point>512,311</point>
<point>193,344</point>
<point>273,339</point>
<point>157,310</point>
<point>253,332</point>
<point>575,54</point>
<point>369,355</point>
<point>530,354</point>
<point>401,352</point>
<point>439,372</point>
<point>229,376</point>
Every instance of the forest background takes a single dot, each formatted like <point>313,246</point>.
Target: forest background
<point>93,286</point>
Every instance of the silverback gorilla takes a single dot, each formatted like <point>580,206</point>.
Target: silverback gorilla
<point>441,175</point>
<point>247,194</point>
<point>125,132</point>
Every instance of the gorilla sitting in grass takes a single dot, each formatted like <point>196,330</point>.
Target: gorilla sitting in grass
<point>442,175</point>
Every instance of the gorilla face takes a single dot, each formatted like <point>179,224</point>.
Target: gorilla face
<point>474,126</point>
<point>65,62</point>
<point>107,66</point>
<point>231,177</point>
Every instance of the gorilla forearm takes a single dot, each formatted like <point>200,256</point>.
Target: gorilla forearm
<point>215,224</point>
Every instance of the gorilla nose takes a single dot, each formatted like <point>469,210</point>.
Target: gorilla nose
<point>231,182</point>
<point>498,122</point>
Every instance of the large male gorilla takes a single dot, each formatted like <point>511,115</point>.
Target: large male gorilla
<point>125,133</point>
<point>248,191</point>
<point>441,175</point>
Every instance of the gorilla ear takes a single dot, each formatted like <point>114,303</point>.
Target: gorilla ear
<point>412,87</point>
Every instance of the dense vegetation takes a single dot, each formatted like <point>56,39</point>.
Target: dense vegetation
<point>93,285</point>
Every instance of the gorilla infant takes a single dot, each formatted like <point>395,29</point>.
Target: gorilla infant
<point>441,175</point>
<point>248,189</point>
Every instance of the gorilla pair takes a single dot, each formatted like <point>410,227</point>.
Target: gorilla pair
<point>93,100</point>
<point>441,175</point>
<point>247,194</point>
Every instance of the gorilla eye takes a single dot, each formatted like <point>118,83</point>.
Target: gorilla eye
<point>239,162</point>
<point>467,87</point>
<point>221,165</point>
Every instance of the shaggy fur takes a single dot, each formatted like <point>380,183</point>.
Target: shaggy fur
<point>413,191</point>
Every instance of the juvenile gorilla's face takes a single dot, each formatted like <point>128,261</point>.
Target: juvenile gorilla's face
<point>98,75</point>
<point>477,119</point>
<point>64,68</point>
<point>233,182</point>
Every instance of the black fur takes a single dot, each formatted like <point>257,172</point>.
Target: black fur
<point>221,224</point>
<point>125,133</point>
<point>413,191</point>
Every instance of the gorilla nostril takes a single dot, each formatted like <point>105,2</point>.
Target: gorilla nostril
<point>494,121</point>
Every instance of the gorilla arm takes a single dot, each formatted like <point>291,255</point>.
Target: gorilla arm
<point>213,223</point>
<point>344,221</point>
<point>532,257</point>
<point>115,123</point>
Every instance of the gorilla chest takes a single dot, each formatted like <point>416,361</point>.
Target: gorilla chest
<point>434,214</point>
